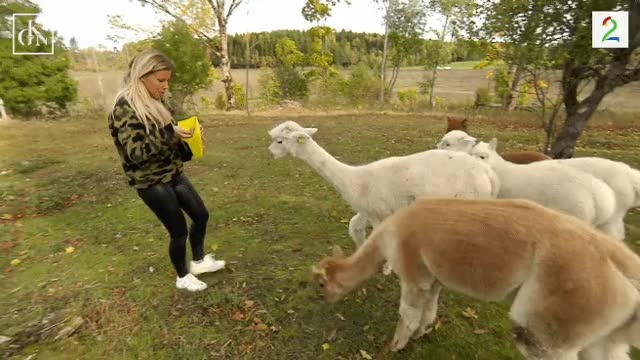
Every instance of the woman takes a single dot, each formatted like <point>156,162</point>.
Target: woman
<point>152,152</point>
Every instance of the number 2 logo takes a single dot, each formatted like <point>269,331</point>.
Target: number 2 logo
<point>615,26</point>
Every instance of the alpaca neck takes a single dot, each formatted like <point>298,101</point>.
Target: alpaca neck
<point>362,265</point>
<point>335,172</point>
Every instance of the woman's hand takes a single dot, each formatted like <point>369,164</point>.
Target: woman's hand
<point>182,133</point>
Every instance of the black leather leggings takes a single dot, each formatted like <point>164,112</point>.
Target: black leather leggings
<point>167,201</point>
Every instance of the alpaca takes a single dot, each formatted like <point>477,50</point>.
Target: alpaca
<point>456,123</point>
<point>377,189</point>
<point>457,128</point>
<point>572,288</point>
<point>621,178</point>
<point>550,184</point>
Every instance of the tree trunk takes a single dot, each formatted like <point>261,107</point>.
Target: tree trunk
<point>394,77</point>
<point>383,66</point>
<point>435,66</point>
<point>513,95</point>
<point>576,121</point>
<point>225,66</point>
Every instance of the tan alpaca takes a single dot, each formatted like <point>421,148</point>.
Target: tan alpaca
<point>572,288</point>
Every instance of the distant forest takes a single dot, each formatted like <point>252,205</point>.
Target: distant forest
<point>349,48</point>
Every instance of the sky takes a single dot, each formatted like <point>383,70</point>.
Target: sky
<point>87,20</point>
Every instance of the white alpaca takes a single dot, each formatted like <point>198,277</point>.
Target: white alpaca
<point>621,178</point>
<point>553,185</point>
<point>377,189</point>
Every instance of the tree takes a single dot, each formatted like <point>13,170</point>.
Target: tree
<point>454,12</point>
<point>208,19</point>
<point>31,85</point>
<point>557,35</point>
<point>406,22</point>
<point>193,70</point>
<point>607,69</point>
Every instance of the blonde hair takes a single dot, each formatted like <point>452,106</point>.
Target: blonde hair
<point>148,109</point>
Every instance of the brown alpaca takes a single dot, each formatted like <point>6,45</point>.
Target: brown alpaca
<point>516,157</point>
<point>456,123</point>
<point>573,289</point>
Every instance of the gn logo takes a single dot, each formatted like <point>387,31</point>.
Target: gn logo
<point>29,38</point>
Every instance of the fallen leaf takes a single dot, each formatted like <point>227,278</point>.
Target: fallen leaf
<point>365,355</point>
<point>213,247</point>
<point>332,335</point>
<point>469,313</point>
<point>238,316</point>
<point>249,303</point>
<point>260,327</point>
<point>437,325</point>
<point>6,217</point>
<point>69,249</point>
<point>480,331</point>
<point>341,317</point>
<point>15,262</point>
<point>326,346</point>
<point>244,348</point>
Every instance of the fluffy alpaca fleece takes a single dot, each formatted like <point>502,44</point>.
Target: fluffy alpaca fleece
<point>572,288</point>
<point>377,189</point>
<point>459,140</point>
<point>620,177</point>
<point>553,185</point>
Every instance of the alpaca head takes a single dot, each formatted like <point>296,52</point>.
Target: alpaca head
<point>455,123</point>
<point>487,151</point>
<point>287,137</point>
<point>457,140</point>
<point>325,274</point>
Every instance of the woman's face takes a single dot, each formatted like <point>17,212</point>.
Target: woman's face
<point>157,83</point>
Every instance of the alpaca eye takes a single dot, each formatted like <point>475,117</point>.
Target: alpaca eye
<point>321,285</point>
<point>483,157</point>
<point>447,144</point>
<point>279,141</point>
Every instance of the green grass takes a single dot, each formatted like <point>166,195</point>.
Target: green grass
<point>270,219</point>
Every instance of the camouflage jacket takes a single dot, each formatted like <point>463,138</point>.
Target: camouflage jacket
<point>147,159</point>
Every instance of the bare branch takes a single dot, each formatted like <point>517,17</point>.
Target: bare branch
<point>234,5</point>
<point>158,6</point>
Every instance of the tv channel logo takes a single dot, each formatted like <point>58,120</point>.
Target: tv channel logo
<point>29,38</point>
<point>610,29</point>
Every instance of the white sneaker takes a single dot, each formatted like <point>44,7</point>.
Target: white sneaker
<point>190,283</point>
<point>207,264</point>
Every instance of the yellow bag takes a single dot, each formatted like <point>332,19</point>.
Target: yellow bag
<point>195,142</point>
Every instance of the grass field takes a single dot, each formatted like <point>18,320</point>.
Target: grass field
<point>456,86</point>
<point>62,189</point>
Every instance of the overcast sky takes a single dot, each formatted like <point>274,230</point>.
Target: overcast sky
<point>87,20</point>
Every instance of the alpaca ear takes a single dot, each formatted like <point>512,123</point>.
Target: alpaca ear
<point>310,131</point>
<point>318,271</point>
<point>337,251</point>
<point>464,122</point>
<point>493,144</point>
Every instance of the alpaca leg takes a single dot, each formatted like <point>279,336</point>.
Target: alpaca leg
<point>358,228</point>
<point>411,304</point>
<point>429,310</point>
